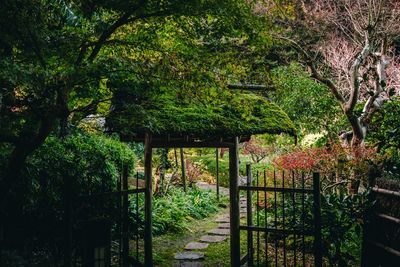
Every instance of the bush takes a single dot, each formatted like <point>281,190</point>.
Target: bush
<point>91,162</point>
<point>173,212</point>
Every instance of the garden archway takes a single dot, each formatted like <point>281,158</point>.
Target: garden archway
<point>189,123</point>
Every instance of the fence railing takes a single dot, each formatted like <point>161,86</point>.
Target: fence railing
<point>381,240</point>
<point>105,228</point>
<point>285,215</point>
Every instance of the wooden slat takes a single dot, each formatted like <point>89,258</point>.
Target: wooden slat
<point>386,248</point>
<point>307,232</point>
<point>386,192</point>
<point>275,189</point>
<point>388,218</point>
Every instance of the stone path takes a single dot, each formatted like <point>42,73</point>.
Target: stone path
<point>193,254</point>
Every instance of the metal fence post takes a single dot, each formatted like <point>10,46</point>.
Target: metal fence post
<point>250,248</point>
<point>317,220</point>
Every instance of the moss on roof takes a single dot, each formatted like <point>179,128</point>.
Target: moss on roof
<point>218,116</point>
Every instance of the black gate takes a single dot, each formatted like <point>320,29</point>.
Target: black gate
<point>106,228</point>
<point>282,219</point>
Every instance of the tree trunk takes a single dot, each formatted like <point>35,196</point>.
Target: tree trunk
<point>12,174</point>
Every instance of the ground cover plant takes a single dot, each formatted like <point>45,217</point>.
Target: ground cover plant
<point>175,211</point>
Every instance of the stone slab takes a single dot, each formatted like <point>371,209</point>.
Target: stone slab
<point>188,264</point>
<point>224,219</point>
<point>196,245</point>
<point>224,225</point>
<point>213,238</point>
<point>218,231</point>
<point>188,255</point>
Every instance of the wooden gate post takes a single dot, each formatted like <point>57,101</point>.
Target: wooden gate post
<point>148,237</point>
<point>317,221</point>
<point>183,169</point>
<point>234,203</point>
<point>217,171</point>
<point>250,248</point>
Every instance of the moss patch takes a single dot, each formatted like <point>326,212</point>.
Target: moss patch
<point>172,113</point>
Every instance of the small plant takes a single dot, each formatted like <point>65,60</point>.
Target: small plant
<point>256,150</point>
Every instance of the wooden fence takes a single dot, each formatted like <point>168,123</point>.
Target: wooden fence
<point>381,241</point>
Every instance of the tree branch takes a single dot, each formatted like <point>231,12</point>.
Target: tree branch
<point>354,72</point>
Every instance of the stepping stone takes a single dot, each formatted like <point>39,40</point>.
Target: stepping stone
<point>188,264</point>
<point>188,255</point>
<point>196,245</point>
<point>218,231</point>
<point>224,219</point>
<point>213,238</point>
<point>224,225</point>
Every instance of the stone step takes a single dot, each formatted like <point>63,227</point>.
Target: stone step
<point>224,225</point>
<point>223,219</point>
<point>188,264</point>
<point>218,231</point>
<point>213,238</point>
<point>195,246</point>
<point>189,255</point>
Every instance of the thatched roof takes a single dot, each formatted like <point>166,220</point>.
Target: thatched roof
<point>169,115</point>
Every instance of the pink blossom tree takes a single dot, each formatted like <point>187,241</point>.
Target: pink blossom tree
<point>347,45</point>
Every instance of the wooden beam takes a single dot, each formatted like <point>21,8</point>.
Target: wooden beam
<point>183,144</point>
<point>251,87</point>
<point>234,202</point>
<point>148,236</point>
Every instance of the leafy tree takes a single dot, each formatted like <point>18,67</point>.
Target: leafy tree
<point>62,60</point>
<point>307,102</point>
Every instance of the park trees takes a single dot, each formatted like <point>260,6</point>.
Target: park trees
<point>63,60</point>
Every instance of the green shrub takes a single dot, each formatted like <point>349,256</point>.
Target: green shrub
<point>209,162</point>
<point>174,211</point>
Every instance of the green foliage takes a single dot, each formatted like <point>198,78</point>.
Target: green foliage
<point>342,220</point>
<point>385,133</point>
<point>209,161</point>
<point>91,162</point>
<point>174,211</point>
<point>82,157</point>
<point>308,103</point>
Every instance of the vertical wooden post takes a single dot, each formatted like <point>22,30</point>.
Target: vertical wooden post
<point>368,258</point>
<point>148,237</point>
<point>234,203</point>
<point>317,221</point>
<point>217,171</point>
<point>250,248</point>
<point>183,169</point>
<point>125,220</point>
